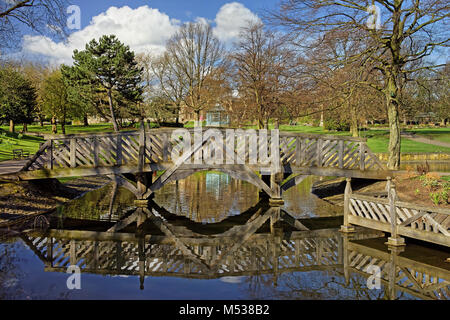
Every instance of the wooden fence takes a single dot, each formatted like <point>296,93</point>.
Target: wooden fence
<point>397,217</point>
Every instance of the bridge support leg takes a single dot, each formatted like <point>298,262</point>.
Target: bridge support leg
<point>275,185</point>
<point>266,179</point>
<point>143,182</point>
<point>347,227</point>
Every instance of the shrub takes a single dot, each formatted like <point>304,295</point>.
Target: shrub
<point>336,125</point>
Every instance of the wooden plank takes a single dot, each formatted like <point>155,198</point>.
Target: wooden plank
<point>119,157</point>
<point>73,152</point>
<point>362,156</point>
<point>95,142</point>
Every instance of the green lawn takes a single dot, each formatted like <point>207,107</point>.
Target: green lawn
<point>11,141</point>
<point>70,129</point>
<point>439,134</point>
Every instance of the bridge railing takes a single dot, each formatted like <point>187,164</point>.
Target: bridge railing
<point>397,217</point>
<point>156,146</point>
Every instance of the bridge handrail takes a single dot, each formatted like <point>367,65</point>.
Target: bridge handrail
<point>170,130</point>
<point>41,150</point>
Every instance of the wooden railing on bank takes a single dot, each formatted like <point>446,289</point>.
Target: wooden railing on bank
<point>154,147</point>
<point>396,217</point>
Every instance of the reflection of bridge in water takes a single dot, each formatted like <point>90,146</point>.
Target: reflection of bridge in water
<point>263,240</point>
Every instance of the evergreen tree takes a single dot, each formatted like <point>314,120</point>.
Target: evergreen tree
<point>111,65</point>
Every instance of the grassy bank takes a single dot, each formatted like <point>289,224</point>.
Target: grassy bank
<point>70,129</point>
<point>10,141</point>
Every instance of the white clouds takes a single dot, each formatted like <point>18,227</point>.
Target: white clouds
<point>230,19</point>
<point>143,29</point>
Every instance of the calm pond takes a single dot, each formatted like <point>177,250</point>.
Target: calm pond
<point>212,237</point>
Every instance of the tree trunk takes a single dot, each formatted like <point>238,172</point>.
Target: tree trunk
<point>85,120</point>
<point>260,122</point>
<point>63,125</point>
<point>25,127</point>
<point>391,94</point>
<point>54,128</point>
<point>111,109</point>
<point>11,126</point>
<point>321,124</point>
<point>197,119</point>
<point>353,120</point>
<point>277,124</point>
<point>41,120</point>
<point>177,121</point>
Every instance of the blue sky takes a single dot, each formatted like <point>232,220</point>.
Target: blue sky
<point>144,25</point>
<point>178,9</point>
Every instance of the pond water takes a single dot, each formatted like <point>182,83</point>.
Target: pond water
<point>212,237</point>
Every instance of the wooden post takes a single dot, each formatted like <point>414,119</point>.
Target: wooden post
<point>95,142</point>
<point>341,154</point>
<point>298,152</point>
<point>141,156</point>
<point>319,153</point>
<point>50,252</point>
<point>275,181</point>
<point>165,142</point>
<point>73,252</point>
<point>362,156</point>
<point>141,250</point>
<point>51,155</point>
<point>346,259</point>
<point>119,150</point>
<point>348,191</point>
<point>392,274</point>
<point>73,152</point>
<point>394,239</point>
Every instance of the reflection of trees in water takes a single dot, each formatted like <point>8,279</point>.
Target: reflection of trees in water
<point>313,285</point>
<point>99,204</point>
<point>301,201</point>
<point>207,196</point>
<point>12,277</point>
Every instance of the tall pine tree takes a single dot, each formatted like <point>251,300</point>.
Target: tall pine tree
<point>112,65</point>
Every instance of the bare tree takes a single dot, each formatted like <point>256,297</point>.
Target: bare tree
<point>195,56</point>
<point>407,32</point>
<point>38,15</point>
<point>264,72</point>
<point>171,82</point>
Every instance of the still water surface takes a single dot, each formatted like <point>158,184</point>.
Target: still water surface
<point>212,237</point>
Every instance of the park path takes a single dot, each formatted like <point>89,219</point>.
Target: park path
<point>422,139</point>
<point>11,166</point>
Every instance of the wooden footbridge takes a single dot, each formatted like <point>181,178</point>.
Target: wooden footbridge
<point>269,242</point>
<point>271,160</point>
